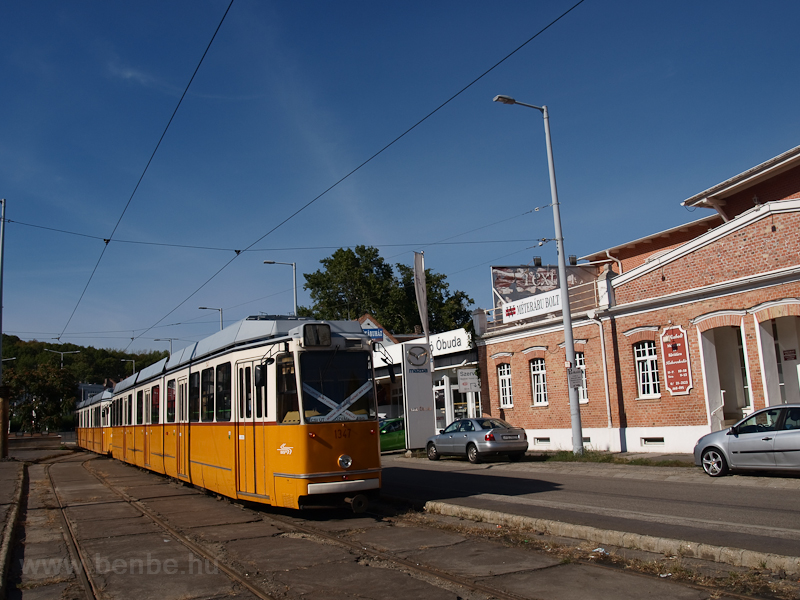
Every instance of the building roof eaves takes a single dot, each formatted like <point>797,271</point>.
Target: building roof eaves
<point>602,253</point>
<point>769,168</point>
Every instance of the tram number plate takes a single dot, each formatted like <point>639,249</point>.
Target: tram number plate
<point>510,437</point>
<point>342,433</point>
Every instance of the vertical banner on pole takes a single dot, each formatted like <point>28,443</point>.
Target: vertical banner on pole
<point>421,289</point>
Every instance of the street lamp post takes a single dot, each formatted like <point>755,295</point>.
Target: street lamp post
<point>294,278</point>
<point>62,354</point>
<point>574,404</point>
<point>130,360</point>
<point>166,340</point>
<point>211,308</point>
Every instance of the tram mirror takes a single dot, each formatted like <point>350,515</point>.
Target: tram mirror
<point>260,379</point>
<point>317,334</point>
<point>392,378</point>
<point>269,361</point>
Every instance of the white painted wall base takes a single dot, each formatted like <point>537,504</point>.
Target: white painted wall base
<point>636,439</point>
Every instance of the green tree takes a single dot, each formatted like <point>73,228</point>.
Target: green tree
<point>42,397</point>
<point>355,282</point>
<point>352,283</point>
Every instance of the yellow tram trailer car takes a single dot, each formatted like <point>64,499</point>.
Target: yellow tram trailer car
<point>272,409</point>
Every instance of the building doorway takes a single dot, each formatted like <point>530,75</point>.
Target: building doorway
<point>728,390</point>
<point>780,346</point>
<point>449,403</point>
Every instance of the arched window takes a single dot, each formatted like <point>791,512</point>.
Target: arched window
<point>504,380</point>
<point>647,369</point>
<point>580,362</point>
<point>538,382</point>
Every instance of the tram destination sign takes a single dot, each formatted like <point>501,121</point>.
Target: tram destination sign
<point>532,306</point>
<point>675,353</point>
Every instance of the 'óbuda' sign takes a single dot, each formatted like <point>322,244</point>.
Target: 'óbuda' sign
<point>675,352</point>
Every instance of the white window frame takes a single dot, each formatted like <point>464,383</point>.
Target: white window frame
<point>583,391</point>
<point>648,383</point>
<point>504,383</point>
<point>538,382</point>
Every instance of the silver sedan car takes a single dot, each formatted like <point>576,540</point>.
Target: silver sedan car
<point>475,438</point>
<point>769,439</point>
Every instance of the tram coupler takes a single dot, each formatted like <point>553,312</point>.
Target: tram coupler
<point>358,503</point>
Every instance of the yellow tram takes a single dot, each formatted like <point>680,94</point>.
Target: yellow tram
<point>279,410</point>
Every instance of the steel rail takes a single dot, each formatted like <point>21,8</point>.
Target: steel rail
<point>194,547</point>
<point>76,555</point>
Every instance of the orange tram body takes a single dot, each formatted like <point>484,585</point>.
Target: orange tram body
<point>278,410</point>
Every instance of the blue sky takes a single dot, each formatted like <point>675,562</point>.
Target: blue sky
<point>650,103</point>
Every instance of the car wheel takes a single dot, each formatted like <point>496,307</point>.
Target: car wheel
<point>714,463</point>
<point>433,453</point>
<point>472,454</point>
<point>516,456</point>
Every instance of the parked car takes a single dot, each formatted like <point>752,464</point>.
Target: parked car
<point>476,438</point>
<point>769,439</point>
<point>393,434</point>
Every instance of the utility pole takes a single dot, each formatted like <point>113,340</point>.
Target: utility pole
<point>4,392</point>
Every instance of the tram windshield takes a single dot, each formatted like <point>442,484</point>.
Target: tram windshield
<point>337,386</point>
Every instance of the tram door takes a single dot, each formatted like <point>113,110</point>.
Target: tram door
<point>250,431</point>
<point>123,420</point>
<point>182,439</point>
<point>148,431</point>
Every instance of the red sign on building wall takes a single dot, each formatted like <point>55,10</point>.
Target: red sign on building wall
<point>677,370</point>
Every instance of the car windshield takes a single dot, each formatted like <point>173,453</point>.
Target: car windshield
<point>493,424</point>
<point>337,386</point>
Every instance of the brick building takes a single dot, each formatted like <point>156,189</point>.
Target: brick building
<point>688,329</point>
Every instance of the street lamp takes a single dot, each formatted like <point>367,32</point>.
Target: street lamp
<point>294,278</point>
<point>166,340</point>
<point>130,360</point>
<point>210,308</point>
<point>62,354</point>
<point>574,405</point>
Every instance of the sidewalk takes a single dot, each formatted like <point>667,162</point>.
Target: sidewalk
<point>12,482</point>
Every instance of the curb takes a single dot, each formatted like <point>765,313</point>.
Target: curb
<point>7,540</point>
<point>721,554</point>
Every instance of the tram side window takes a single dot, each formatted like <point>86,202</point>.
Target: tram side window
<point>261,381</point>
<point>171,401</point>
<point>194,397</point>
<point>224,392</point>
<point>139,407</point>
<point>155,404</point>
<point>288,406</point>
<point>207,394</point>
<point>245,394</point>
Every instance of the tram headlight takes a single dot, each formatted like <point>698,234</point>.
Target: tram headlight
<point>345,461</point>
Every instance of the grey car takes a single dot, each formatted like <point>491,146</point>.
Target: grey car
<point>769,439</point>
<point>475,438</point>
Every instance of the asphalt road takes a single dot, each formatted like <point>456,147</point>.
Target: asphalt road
<point>759,512</point>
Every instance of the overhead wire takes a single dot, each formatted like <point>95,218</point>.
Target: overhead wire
<point>144,171</point>
<point>374,156</point>
<point>443,242</point>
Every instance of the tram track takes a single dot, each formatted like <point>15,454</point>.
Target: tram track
<point>464,586</point>
<point>427,571</point>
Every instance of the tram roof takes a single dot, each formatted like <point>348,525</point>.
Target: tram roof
<point>246,331</point>
<point>95,398</point>
<point>126,383</point>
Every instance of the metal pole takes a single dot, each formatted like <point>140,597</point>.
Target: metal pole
<point>4,395</point>
<point>294,278</point>
<point>569,344</point>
